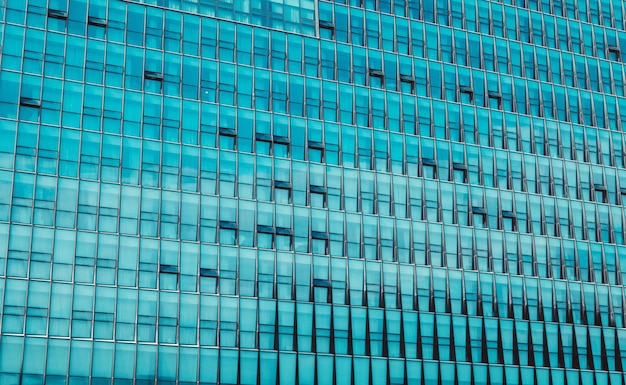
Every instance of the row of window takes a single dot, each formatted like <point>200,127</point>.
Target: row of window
<point>101,362</point>
<point>325,59</point>
<point>376,30</point>
<point>363,284</point>
<point>362,106</point>
<point>94,156</point>
<point>162,163</point>
<point>525,65</point>
<point>364,237</point>
<point>157,117</point>
<point>463,15</point>
<point>298,16</point>
<point>347,24</point>
<point>236,174</point>
<point>249,323</point>
<point>33,199</point>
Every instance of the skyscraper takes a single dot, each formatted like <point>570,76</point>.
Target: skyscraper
<point>312,192</point>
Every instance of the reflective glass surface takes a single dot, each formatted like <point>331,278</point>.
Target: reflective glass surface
<point>312,192</point>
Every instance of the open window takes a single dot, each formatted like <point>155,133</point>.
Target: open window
<point>601,193</point>
<point>228,233</point>
<point>319,241</point>
<point>429,168</point>
<point>317,196</point>
<point>495,100</point>
<point>209,280</point>
<point>228,138</point>
<point>466,95</point>
<point>407,84</point>
<point>377,78</point>
<point>316,151</point>
<point>614,53</point>
<point>321,290</point>
<point>282,192</point>
<point>460,172</point>
<point>479,217</point>
<point>327,30</point>
<point>153,81</point>
<point>168,277</point>
<point>509,220</point>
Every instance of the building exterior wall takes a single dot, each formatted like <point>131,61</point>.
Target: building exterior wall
<point>312,192</point>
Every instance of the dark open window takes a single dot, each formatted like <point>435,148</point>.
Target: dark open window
<point>407,84</point>
<point>96,21</point>
<point>228,138</point>
<point>327,29</point>
<point>282,192</point>
<point>29,102</point>
<point>601,193</point>
<point>56,14</point>
<point>316,151</point>
<point>168,277</point>
<point>460,172</point>
<point>509,221</point>
<point>317,196</point>
<point>495,100</point>
<point>377,78</point>
<point>429,168</point>
<point>467,95</point>
<point>479,216</point>
<point>228,232</point>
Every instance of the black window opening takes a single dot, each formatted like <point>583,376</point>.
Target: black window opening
<point>377,78</point>
<point>319,242</point>
<point>317,196</point>
<point>282,192</point>
<point>228,138</point>
<point>327,29</point>
<point>460,172</point>
<point>30,102</point>
<point>281,146</point>
<point>271,145</point>
<point>153,82</point>
<point>269,237</point>
<point>265,237</point>
<point>601,193</point>
<point>316,151</point>
<point>263,144</point>
<point>168,277</point>
<point>407,84</point>
<point>96,27</point>
<point>479,217</point>
<point>509,220</point>
<point>495,100</point>
<point>209,280</point>
<point>466,95</point>
<point>429,168</point>
<point>168,269</point>
<point>57,14</point>
<point>228,233</point>
<point>57,21</point>
<point>615,53</point>
<point>29,110</point>
<point>321,290</point>
<point>210,273</point>
<point>97,21</point>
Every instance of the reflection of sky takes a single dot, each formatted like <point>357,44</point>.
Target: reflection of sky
<point>288,15</point>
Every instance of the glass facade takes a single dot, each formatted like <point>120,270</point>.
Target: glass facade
<point>312,192</point>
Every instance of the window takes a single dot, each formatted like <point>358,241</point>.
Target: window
<point>327,29</point>
<point>467,95</point>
